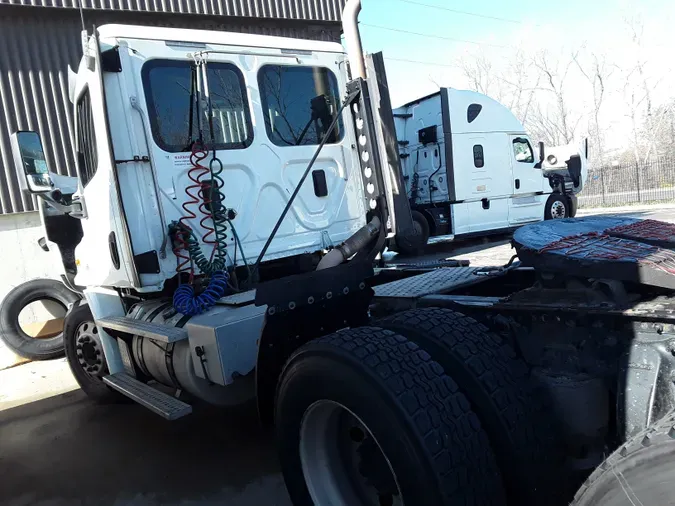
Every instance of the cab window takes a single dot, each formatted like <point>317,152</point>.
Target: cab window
<point>86,139</point>
<point>299,104</point>
<point>173,110</point>
<point>522,150</point>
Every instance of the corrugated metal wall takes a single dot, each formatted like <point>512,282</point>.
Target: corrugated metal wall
<point>37,44</point>
<point>321,10</point>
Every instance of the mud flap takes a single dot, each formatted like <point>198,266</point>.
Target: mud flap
<point>646,391</point>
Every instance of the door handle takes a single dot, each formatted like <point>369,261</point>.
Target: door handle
<point>517,184</point>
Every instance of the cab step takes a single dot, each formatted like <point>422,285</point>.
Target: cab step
<point>155,331</point>
<point>163,404</point>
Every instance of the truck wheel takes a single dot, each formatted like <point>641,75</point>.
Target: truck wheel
<point>414,243</point>
<point>16,300</point>
<point>497,385</point>
<point>365,417</point>
<point>640,472</point>
<point>557,207</point>
<point>84,352</point>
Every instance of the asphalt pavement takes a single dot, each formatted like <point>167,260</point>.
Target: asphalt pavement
<point>59,449</point>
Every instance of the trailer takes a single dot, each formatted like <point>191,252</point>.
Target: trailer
<point>234,196</point>
<point>470,169</point>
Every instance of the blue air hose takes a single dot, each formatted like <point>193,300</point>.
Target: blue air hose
<point>185,301</point>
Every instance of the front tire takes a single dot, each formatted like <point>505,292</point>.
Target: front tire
<point>365,417</point>
<point>84,352</point>
<point>557,207</point>
<point>640,472</point>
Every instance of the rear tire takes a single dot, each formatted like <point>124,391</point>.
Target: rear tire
<point>414,243</point>
<point>432,442</point>
<point>84,350</point>
<point>640,472</point>
<point>499,389</point>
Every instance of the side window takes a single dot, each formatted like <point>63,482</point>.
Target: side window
<point>173,110</point>
<point>299,104</point>
<point>522,150</point>
<point>86,139</point>
<point>478,159</point>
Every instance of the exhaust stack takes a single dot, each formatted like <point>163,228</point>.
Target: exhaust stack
<point>350,27</point>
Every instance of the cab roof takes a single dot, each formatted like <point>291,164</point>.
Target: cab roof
<point>186,36</point>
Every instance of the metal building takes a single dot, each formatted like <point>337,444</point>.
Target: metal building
<point>40,38</point>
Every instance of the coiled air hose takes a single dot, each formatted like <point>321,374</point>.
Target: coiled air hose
<point>185,301</point>
<point>209,199</point>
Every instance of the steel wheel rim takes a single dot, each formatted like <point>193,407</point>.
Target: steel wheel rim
<point>558,210</point>
<point>89,350</point>
<point>342,462</point>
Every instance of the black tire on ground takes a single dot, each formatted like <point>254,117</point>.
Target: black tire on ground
<point>423,424</point>
<point>640,472</point>
<point>16,300</point>
<point>414,243</point>
<point>557,206</point>
<point>498,386</point>
<point>80,324</point>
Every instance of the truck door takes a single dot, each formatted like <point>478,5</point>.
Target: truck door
<point>104,257</point>
<point>526,178</point>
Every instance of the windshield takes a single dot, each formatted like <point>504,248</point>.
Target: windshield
<point>299,104</point>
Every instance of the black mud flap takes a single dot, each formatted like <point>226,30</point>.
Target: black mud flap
<point>302,308</point>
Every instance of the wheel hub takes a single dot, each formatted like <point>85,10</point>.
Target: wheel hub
<point>342,461</point>
<point>558,210</point>
<point>89,349</point>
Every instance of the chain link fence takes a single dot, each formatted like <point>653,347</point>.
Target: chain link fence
<point>632,183</point>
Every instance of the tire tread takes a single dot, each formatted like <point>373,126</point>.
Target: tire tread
<point>441,414</point>
<point>491,365</point>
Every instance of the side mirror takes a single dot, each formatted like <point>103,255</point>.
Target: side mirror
<point>30,163</point>
<point>542,154</point>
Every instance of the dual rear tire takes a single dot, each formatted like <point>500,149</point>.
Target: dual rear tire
<point>366,417</point>
<point>446,407</point>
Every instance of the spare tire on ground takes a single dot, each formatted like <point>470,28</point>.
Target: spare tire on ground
<point>20,297</point>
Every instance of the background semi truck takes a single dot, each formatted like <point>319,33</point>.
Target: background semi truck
<point>471,169</point>
<point>234,196</point>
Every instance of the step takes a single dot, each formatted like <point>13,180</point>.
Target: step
<point>163,404</point>
<point>156,331</point>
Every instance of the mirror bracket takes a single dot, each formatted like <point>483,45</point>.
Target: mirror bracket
<point>75,209</point>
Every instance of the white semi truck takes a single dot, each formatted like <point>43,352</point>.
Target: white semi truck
<point>234,194</point>
<point>470,169</point>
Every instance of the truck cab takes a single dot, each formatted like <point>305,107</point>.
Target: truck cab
<point>470,167</point>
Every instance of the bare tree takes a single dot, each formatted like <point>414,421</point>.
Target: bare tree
<point>554,76</point>
<point>481,75</point>
<point>597,72</point>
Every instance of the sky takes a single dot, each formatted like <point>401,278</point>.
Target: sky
<point>557,26</point>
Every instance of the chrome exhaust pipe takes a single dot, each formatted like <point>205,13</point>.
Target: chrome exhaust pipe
<point>350,27</point>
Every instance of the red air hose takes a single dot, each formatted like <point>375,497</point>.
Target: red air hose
<point>195,197</point>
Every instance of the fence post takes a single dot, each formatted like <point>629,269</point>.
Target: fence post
<point>637,177</point>
<point>602,181</point>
